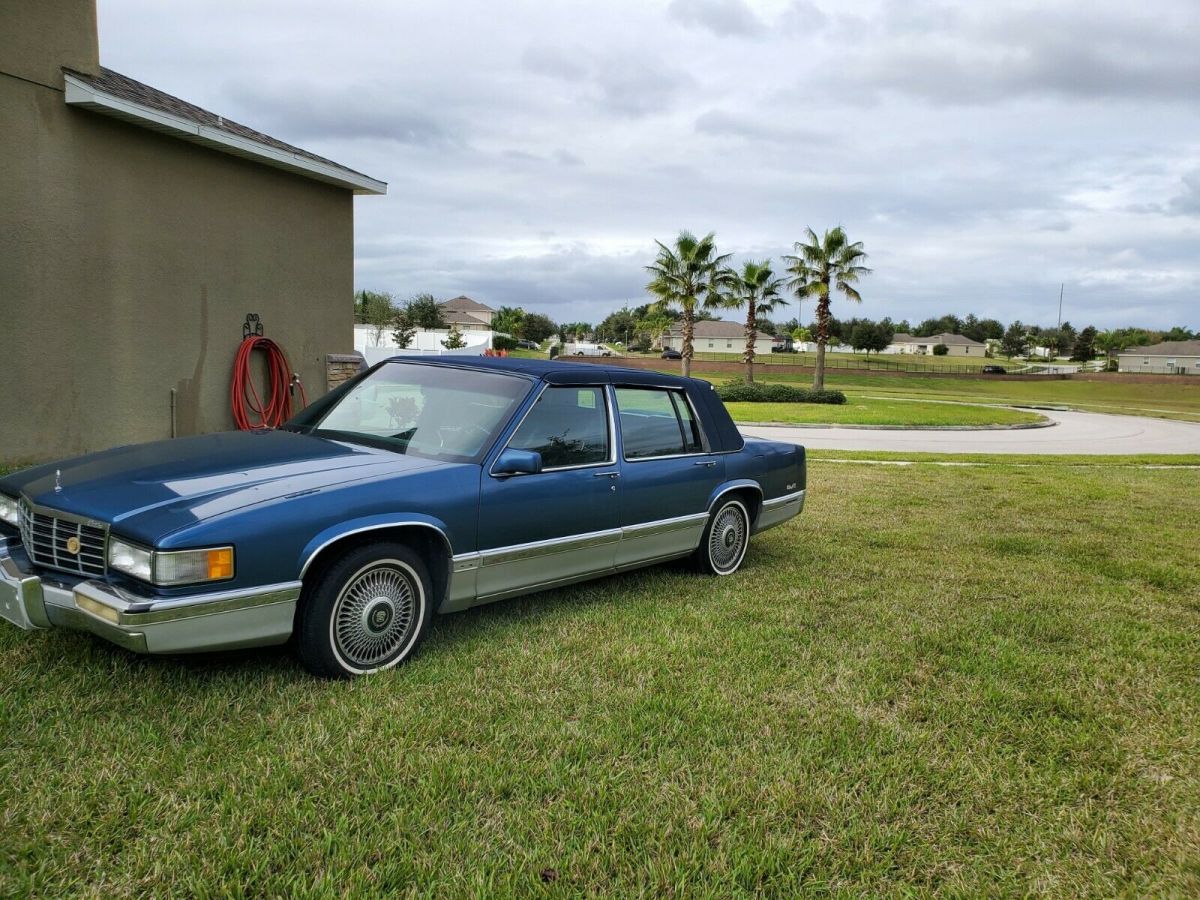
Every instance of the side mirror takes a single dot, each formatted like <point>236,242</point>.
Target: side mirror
<point>518,462</point>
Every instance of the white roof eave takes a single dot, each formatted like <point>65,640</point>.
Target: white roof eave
<point>80,93</point>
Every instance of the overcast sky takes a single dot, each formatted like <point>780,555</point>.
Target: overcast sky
<point>983,152</point>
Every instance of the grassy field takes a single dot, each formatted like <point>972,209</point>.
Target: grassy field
<point>897,693</point>
<point>884,361</point>
<point>1179,399</point>
<point>861,410</point>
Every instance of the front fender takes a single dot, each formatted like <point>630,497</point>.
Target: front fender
<point>366,524</point>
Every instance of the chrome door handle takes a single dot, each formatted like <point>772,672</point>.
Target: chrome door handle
<point>707,463</point>
<point>606,474</point>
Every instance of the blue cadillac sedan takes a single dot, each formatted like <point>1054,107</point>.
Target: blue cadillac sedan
<point>419,487</point>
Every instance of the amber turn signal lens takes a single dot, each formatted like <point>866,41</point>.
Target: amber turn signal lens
<point>220,563</point>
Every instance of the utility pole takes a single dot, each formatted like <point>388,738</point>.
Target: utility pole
<point>1061,285</point>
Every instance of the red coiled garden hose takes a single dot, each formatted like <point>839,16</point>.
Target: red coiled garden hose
<point>279,378</point>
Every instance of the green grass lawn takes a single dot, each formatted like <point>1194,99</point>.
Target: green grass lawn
<point>883,361</point>
<point>860,410</point>
<point>957,680</point>
<point>1178,399</point>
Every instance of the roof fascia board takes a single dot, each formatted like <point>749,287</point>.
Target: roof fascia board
<point>79,93</point>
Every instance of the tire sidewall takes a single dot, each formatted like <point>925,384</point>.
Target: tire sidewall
<point>705,547</point>
<point>316,643</point>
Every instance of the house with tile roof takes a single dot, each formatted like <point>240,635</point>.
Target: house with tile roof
<point>1166,358</point>
<point>467,314</point>
<point>138,230</point>
<point>956,344</point>
<point>716,336</point>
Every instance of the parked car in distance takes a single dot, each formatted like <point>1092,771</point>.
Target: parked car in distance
<point>529,345</point>
<point>671,354</point>
<point>422,486</point>
<point>584,349</point>
<point>993,370</point>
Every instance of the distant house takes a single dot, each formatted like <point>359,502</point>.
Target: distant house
<point>137,232</point>
<point>1167,358</point>
<point>716,337</point>
<point>955,343</point>
<point>467,314</point>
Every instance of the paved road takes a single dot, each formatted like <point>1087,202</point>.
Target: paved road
<point>1075,432</point>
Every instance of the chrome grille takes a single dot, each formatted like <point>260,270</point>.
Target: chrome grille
<point>46,533</point>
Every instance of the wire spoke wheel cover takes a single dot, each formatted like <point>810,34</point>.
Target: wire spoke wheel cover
<point>727,538</point>
<point>376,615</point>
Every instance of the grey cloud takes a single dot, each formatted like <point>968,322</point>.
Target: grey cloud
<point>721,123</point>
<point>721,17</point>
<point>300,112</point>
<point>554,62</point>
<point>988,54</point>
<point>1187,203</point>
<point>635,86</point>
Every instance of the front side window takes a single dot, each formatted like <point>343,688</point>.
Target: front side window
<point>432,411</point>
<point>568,426</point>
<point>656,422</point>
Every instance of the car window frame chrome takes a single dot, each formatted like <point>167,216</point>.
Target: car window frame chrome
<point>706,449</point>
<point>610,424</point>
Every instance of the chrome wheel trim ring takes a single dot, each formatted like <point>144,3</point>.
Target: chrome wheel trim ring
<point>377,616</point>
<point>728,538</point>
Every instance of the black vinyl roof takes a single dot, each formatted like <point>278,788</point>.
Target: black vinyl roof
<point>557,372</point>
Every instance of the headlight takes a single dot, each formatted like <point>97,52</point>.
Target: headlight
<point>131,560</point>
<point>9,511</point>
<point>171,567</point>
<point>192,566</point>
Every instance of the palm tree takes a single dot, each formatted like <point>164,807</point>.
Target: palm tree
<point>757,289</point>
<point>818,264</point>
<point>690,273</point>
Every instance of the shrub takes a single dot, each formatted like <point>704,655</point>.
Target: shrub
<point>940,349</point>
<point>500,342</point>
<point>739,392</point>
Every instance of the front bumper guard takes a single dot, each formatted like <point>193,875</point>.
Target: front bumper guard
<point>223,620</point>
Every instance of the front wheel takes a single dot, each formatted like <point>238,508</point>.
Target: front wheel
<point>364,613</point>
<point>726,538</point>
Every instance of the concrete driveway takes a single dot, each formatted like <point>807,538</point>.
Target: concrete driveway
<point>1073,433</point>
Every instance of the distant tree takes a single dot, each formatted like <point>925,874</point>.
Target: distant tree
<point>947,324</point>
<point>454,339</point>
<point>1014,342</point>
<point>1085,345</point>
<point>818,266</point>
<point>801,334</point>
<point>654,324</point>
<point>424,312</point>
<point>403,329</point>
<point>690,275</point>
<point>1179,333</point>
<point>375,308</point>
<point>537,327</point>
<point>862,335</point>
<point>620,325</point>
<point>509,320</point>
<point>991,330</point>
<point>1066,338</point>
<point>757,289</point>
<point>940,349</point>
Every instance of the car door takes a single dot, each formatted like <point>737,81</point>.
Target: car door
<point>561,523</point>
<point>668,473</point>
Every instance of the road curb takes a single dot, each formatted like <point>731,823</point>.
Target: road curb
<point>1020,426</point>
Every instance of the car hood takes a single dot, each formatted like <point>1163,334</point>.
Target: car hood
<point>180,482</point>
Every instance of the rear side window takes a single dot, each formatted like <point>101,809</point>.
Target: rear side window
<point>655,422</point>
<point>568,426</point>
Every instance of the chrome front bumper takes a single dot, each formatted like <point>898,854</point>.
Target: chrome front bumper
<point>225,620</point>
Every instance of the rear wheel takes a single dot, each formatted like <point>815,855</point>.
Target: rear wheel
<point>726,538</point>
<point>365,612</point>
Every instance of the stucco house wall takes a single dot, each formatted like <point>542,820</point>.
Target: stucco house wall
<point>131,258</point>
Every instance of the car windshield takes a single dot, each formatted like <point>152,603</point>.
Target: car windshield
<point>433,411</point>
